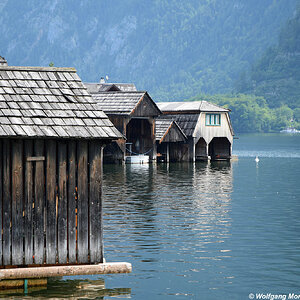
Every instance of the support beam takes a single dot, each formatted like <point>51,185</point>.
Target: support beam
<point>57,271</point>
<point>167,152</point>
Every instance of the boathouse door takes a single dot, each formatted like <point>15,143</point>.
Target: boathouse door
<point>219,148</point>
<point>140,134</point>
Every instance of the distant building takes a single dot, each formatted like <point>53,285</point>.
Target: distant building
<point>133,113</point>
<point>207,127</point>
<point>3,61</point>
<point>171,141</point>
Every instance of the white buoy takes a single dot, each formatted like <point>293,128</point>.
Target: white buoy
<point>257,159</point>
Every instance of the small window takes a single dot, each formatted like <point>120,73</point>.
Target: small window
<point>213,119</point>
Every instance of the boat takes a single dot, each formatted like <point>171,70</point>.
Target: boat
<point>290,130</point>
<point>137,159</point>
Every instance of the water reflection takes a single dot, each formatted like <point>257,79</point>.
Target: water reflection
<point>68,289</point>
<point>172,220</point>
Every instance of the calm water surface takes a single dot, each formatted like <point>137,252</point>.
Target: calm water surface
<point>200,231</point>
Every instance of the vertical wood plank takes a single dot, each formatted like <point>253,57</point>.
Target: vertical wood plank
<point>51,228</point>
<point>28,202</point>
<point>83,203</point>
<point>17,202</point>
<point>6,202</point>
<point>95,193</point>
<point>39,191</point>
<point>72,201</point>
<point>62,203</point>
<point>1,195</point>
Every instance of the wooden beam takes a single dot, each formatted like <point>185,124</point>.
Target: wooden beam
<point>21,284</point>
<point>83,203</point>
<point>72,202</point>
<point>39,192</point>
<point>62,230</point>
<point>28,201</point>
<point>57,271</point>
<point>17,226</point>
<point>51,229</point>
<point>35,158</point>
<point>6,203</point>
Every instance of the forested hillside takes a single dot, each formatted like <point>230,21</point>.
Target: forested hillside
<point>174,49</point>
<point>276,76</point>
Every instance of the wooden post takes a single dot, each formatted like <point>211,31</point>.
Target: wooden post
<point>72,202</point>
<point>6,204</point>
<point>167,152</point>
<point>28,213</point>
<point>95,217</point>
<point>1,208</point>
<point>83,204</point>
<point>39,192</point>
<point>191,143</point>
<point>51,231</point>
<point>62,204</point>
<point>17,225</point>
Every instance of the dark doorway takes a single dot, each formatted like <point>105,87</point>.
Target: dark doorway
<point>219,148</point>
<point>139,136</point>
<point>201,150</point>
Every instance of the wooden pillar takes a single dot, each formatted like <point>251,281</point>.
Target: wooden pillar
<point>167,152</point>
<point>51,231</point>
<point>191,143</point>
<point>39,203</point>
<point>28,203</point>
<point>1,209</point>
<point>62,206</point>
<point>6,203</point>
<point>17,226</point>
<point>72,202</point>
<point>95,211</point>
<point>153,153</point>
<point>83,203</point>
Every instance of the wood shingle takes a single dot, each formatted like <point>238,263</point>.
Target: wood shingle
<point>125,103</point>
<point>49,102</point>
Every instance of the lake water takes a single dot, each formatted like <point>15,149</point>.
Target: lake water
<point>200,231</point>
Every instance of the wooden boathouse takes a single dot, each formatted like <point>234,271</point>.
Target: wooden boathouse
<point>133,113</point>
<point>207,127</point>
<point>52,134</point>
<point>171,141</point>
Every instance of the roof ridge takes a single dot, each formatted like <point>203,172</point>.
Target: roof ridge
<point>121,92</point>
<point>37,69</point>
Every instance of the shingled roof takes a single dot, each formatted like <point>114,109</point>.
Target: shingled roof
<point>192,107</point>
<point>187,122</point>
<point>49,102</point>
<point>124,103</point>
<point>162,128</point>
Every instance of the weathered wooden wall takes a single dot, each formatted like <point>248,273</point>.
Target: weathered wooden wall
<point>179,152</point>
<point>50,202</point>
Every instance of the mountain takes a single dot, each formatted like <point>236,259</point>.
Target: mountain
<point>276,75</point>
<point>174,49</point>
